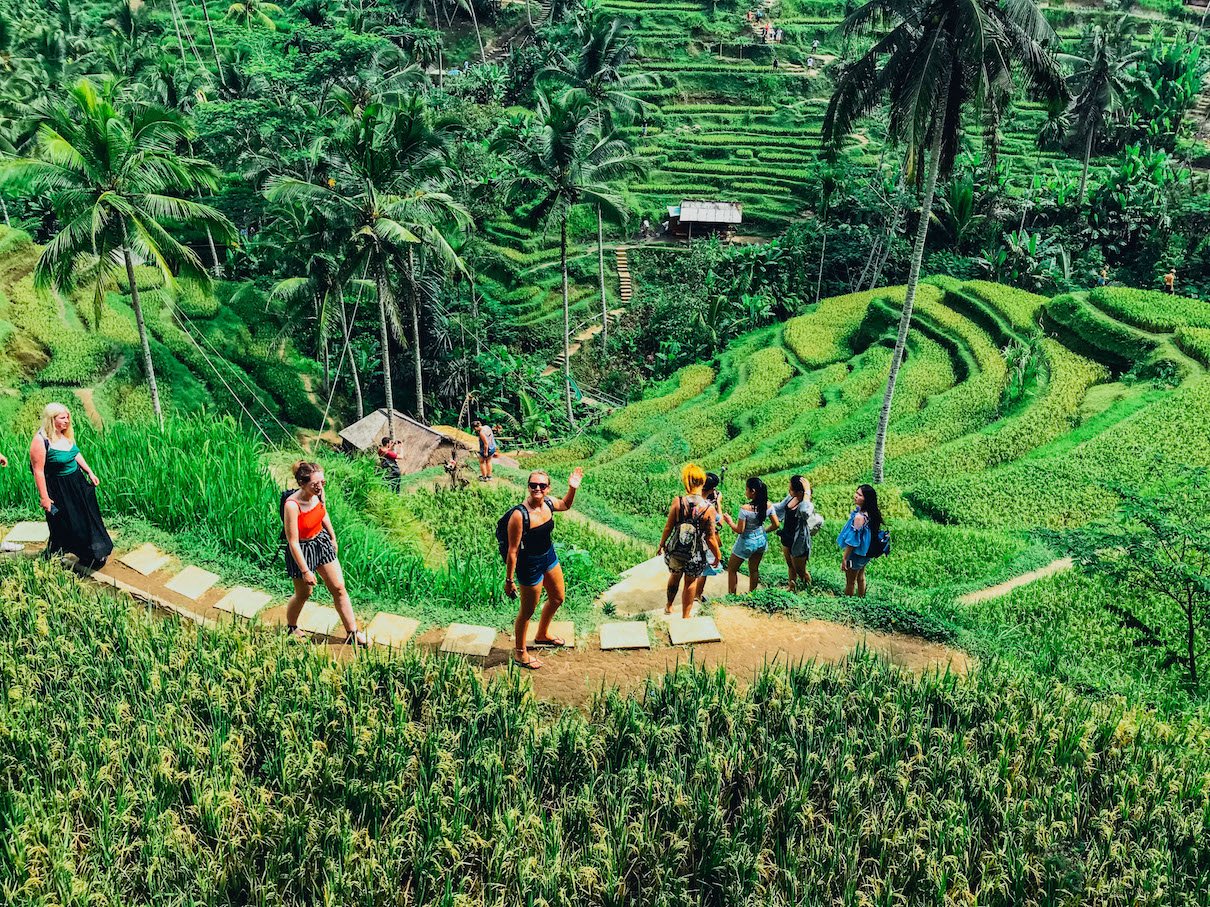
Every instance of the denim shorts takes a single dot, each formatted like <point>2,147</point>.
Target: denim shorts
<point>531,570</point>
<point>749,543</point>
<point>858,561</point>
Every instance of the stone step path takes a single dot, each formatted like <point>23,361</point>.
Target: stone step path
<point>625,287</point>
<point>147,573</point>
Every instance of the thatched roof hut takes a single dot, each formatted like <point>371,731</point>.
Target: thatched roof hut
<point>422,446</point>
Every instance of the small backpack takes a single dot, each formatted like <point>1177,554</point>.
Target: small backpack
<point>502,526</point>
<point>685,543</point>
<point>884,543</point>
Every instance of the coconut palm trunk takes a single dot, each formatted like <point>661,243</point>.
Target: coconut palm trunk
<point>909,300</point>
<point>601,275</point>
<point>137,305</point>
<point>383,293</point>
<point>213,44</point>
<point>571,416</point>
<point>478,35</point>
<point>4,211</point>
<point>216,269</point>
<point>1087,158</point>
<point>418,370</point>
<point>176,26</point>
<point>344,328</point>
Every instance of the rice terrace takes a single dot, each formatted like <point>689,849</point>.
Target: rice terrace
<point>604,452</point>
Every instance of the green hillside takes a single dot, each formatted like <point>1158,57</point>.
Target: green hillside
<point>258,754</point>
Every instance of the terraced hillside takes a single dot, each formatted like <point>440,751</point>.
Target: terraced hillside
<point>215,351</point>
<point>1116,390</point>
<point>721,121</point>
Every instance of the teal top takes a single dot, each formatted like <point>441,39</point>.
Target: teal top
<point>62,462</point>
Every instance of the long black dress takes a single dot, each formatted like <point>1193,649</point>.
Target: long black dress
<point>76,526</point>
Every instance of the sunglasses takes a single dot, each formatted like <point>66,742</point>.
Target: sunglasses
<point>539,486</point>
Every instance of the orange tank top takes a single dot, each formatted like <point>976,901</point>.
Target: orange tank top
<point>310,522</point>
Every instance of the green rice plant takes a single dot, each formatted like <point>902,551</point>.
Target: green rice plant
<point>1151,310</point>
<point>1050,416</point>
<point>229,767</point>
<point>1194,342</point>
<point>77,356</point>
<point>1020,307</point>
<point>821,336</point>
<point>640,418</point>
<point>1116,344</point>
<point>1074,485</point>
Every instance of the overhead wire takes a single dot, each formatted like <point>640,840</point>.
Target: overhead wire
<point>251,390</point>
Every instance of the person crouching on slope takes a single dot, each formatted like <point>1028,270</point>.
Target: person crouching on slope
<point>531,564</point>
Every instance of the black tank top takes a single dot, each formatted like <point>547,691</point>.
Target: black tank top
<point>539,539</point>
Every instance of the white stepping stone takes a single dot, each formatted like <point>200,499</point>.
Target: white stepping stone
<point>319,619</point>
<point>242,601</point>
<point>631,634</point>
<point>28,533</point>
<point>192,582</point>
<point>468,639</point>
<point>146,559</point>
<point>391,630</point>
<point>684,631</point>
<point>563,629</point>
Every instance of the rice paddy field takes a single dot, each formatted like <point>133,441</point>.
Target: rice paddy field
<point>143,761</point>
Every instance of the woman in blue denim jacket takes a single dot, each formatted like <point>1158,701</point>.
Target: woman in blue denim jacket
<point>857,537</point>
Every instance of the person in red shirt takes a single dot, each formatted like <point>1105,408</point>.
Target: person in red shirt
<point>311,551</point>
<point>388,459</point>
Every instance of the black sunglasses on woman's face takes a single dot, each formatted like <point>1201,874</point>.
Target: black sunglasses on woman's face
<point>538,486</point>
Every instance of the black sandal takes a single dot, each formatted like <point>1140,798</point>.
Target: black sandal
<point>293,632</point>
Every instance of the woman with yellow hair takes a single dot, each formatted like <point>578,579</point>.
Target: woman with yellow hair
<point>67,490</point>
<point>690,535</point>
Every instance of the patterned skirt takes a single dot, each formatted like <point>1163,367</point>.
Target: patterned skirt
<point>316,551</point>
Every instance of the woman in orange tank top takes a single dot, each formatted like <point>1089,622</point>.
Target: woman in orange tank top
<point>311,551</point>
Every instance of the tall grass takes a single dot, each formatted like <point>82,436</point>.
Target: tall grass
<point>205,481</point>
<point>145,761</point>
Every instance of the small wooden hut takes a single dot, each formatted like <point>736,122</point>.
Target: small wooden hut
<point>704,218</point>
<point>422,446</point>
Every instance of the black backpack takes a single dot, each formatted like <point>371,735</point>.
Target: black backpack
<point>502,526</point>
<point>281,509</point>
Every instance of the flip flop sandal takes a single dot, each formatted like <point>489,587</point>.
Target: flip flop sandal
<point>530,663</point>
<point>553,642</point>
<point>357,638</point>
<point>293,632</point>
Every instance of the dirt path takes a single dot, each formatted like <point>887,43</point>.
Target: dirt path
<point>982,595</point>
<point>751,640</point>
<point>86,395</point>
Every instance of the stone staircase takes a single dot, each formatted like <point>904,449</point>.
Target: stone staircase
<point>624,283</point>
<point>195,594</point>
<point>585,333</point>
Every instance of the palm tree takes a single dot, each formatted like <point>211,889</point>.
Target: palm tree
<point>117,182</point>
<point>596,72</point>
<point>564,160</point>
<point>258,11</point>
<point>940,60</point>
<point>595,75</point>
<point>1098,85</point>
<point>391,166</point>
